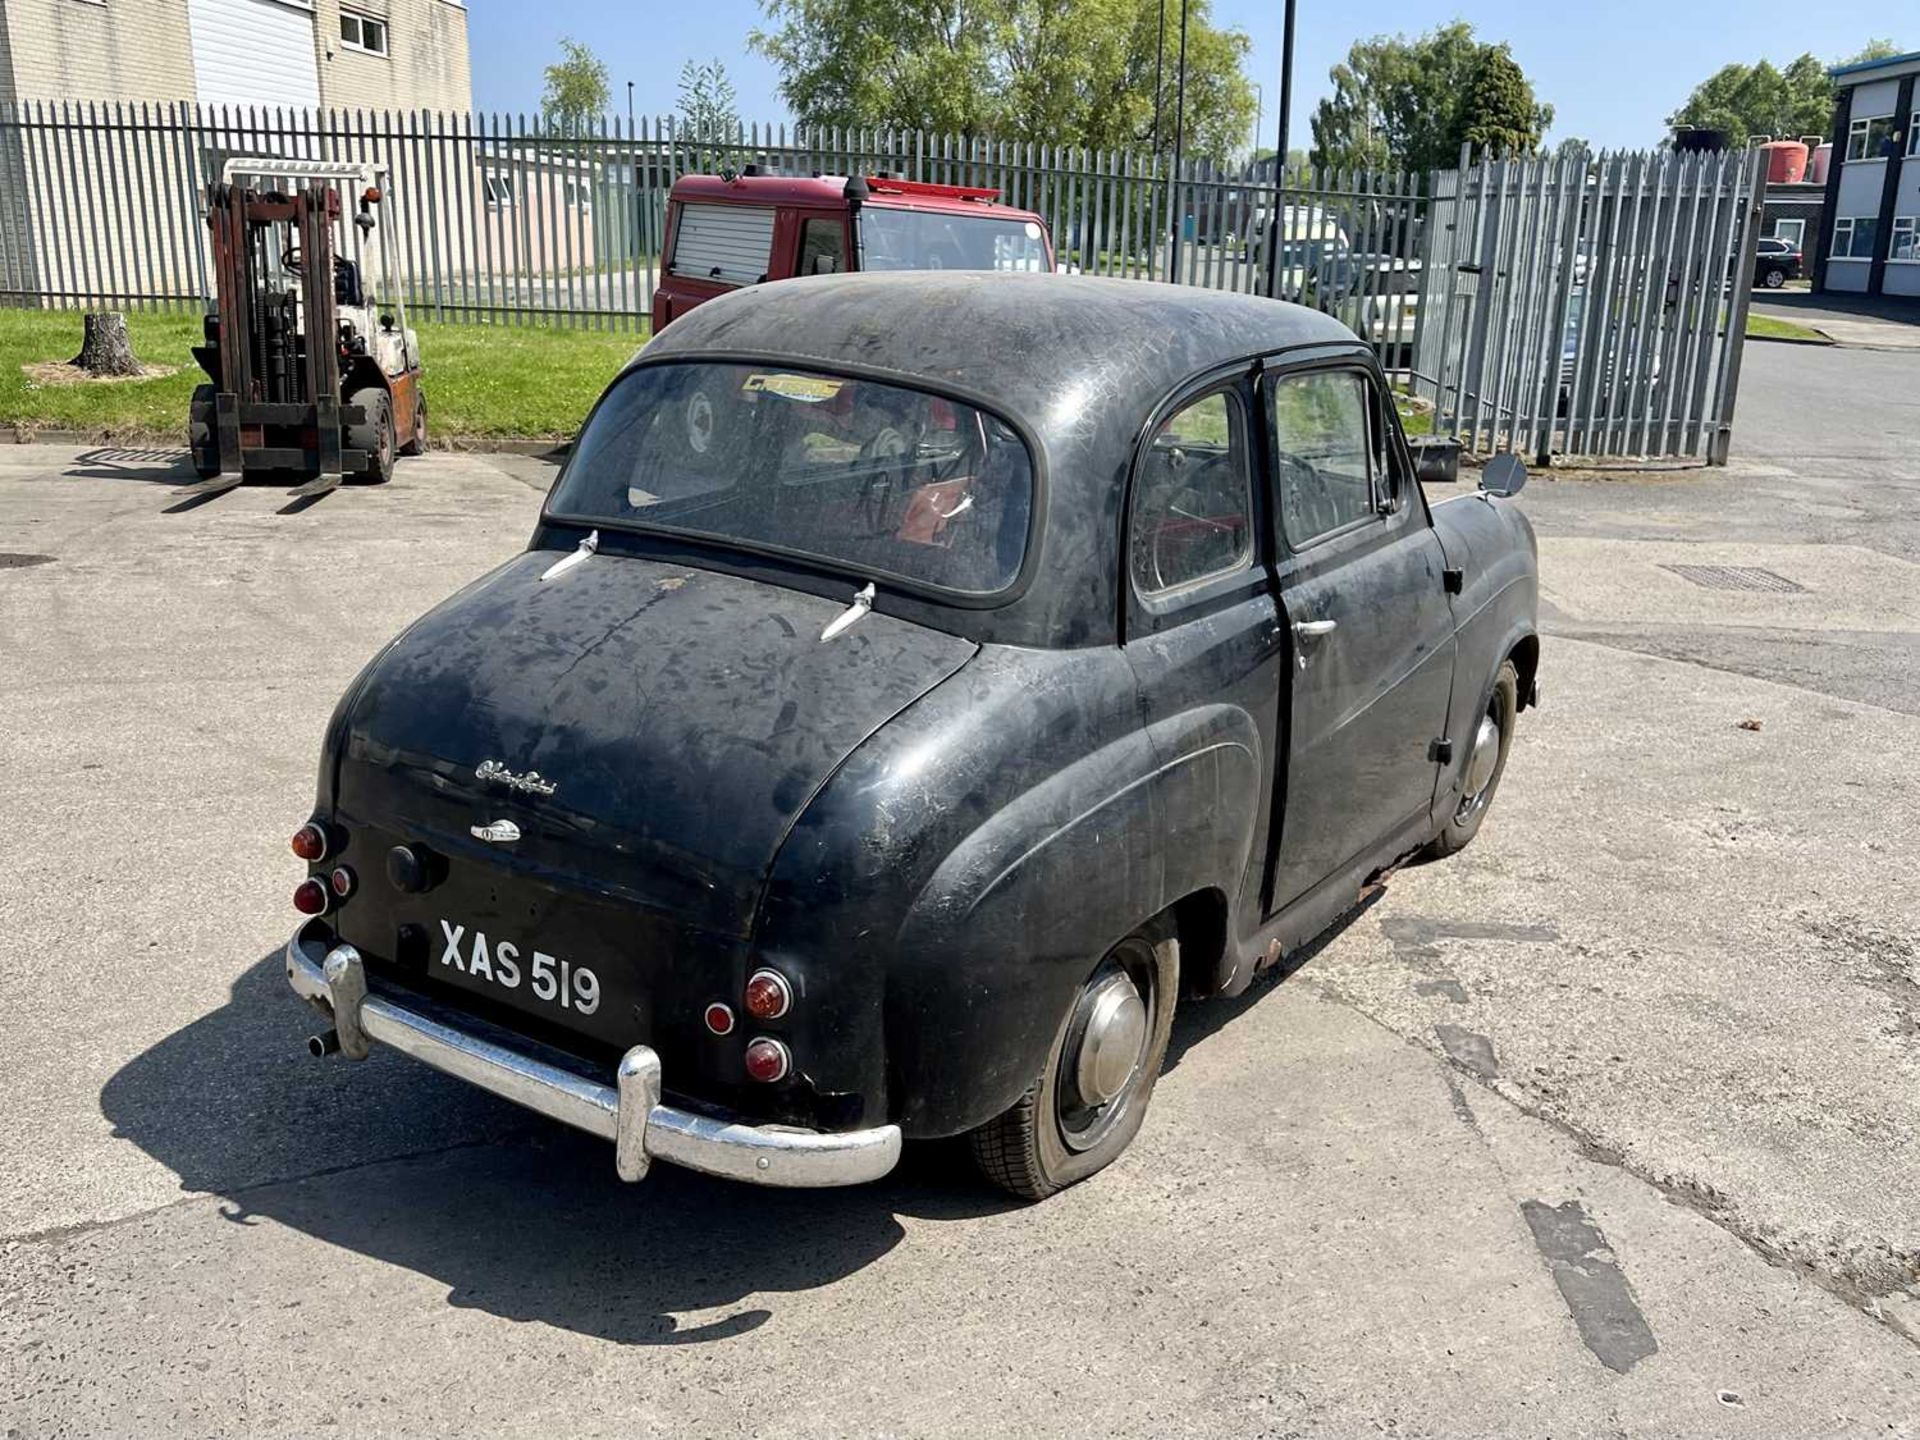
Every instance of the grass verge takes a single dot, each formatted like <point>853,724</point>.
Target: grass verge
<point>482,381</point>
<point>1767,327</point>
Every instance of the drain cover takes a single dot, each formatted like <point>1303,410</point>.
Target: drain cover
<point>14,560</point>
<point>1736,577</point>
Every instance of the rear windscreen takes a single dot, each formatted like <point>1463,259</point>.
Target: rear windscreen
<point>874,477</point>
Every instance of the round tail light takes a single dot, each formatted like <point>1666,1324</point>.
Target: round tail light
<point>768,996</point>
<point>768,1060</point>
<point>342,881</point>
<point>310,897</point>
<point>720,1018</point>
<point>310,842</point>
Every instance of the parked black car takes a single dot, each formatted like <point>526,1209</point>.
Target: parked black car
<point>914,683</point>
<point>1775,262</point>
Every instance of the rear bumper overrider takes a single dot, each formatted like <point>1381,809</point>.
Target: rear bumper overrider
<point>628,1110</point>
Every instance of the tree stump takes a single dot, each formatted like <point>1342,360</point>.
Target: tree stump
<point>105,348</point>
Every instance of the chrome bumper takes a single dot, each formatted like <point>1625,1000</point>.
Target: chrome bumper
<point>628,1112</point>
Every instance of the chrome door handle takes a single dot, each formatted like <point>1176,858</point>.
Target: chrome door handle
<point>1309,629</point>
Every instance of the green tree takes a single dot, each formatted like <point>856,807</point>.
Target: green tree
<point>1412,103</point>
<point>1063,72</point>
<point>1499,112</point>
<point>708,106</point>
<point>1761,99</point>
<point>576,94</point>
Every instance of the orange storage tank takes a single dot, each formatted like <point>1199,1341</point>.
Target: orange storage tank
<point>1786,161</point>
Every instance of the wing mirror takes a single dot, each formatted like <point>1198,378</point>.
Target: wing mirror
<point>1504,475</point>
<point>1435,461</point>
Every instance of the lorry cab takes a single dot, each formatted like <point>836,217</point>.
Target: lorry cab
<point>726,231</point>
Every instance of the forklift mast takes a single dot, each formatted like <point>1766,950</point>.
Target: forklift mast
<point>279,361</point>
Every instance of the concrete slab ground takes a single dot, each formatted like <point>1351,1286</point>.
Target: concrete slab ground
<point>1608,1126</point>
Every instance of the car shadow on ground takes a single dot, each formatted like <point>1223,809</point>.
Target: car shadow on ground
<point>1196,1022</point>
<point>517,1216</point>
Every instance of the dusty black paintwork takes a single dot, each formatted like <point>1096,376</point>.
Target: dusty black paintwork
<point>937,823</point>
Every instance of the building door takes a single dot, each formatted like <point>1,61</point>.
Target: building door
<point>253,52</point>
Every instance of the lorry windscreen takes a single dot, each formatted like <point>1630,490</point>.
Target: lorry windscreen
<point>892,239</point>
<point>876,478</point>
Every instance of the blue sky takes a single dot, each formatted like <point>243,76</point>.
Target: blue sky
<point>1613,71</point>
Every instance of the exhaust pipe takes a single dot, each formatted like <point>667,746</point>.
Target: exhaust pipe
<point>321,1046</point>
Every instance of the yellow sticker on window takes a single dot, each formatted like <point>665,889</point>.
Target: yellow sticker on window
<point>812,388</point>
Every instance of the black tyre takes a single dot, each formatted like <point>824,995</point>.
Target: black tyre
<point>417,441</point>
<point>201,438</point>
<point>374,435</point>
<point>1087,1104</point>
<point>1484,763</point>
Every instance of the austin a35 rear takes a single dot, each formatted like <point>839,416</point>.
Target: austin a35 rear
<point>914,685</point>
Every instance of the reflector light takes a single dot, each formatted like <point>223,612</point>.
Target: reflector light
<point>768,1060</point>
<point>310,842</point>
<point>720,1018</point>
<point>768,996</point>
<point>310,898</point>
<point>342,881</point>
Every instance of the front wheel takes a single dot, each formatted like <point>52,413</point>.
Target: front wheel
<point>1087,1104</point>
<point>375,434</point>
<point>1486,762</point>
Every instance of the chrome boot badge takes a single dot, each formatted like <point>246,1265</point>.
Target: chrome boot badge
<point>529,783</point>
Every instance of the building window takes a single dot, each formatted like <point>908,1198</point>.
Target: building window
<point>1867,137</point>
<point>1906,240</point>
<point>500,191</point>
<point>1913,133</point>
<point>1854,237</point>
<point>1791,231</point>
<point>363,32</point>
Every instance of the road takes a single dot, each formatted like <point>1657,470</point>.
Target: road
<point>1608,1126</point>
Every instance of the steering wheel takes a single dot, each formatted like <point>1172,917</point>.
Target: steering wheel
<point>292,261</point>
<point>888,447</point>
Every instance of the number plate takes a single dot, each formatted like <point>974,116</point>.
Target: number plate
<point>517,971</point>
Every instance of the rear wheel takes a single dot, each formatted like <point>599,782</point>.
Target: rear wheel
<point>1087,1104</point>
<point>1486,762</point>
<point>1775,278</point>
<point>417,441</point>
<point>374,434</point>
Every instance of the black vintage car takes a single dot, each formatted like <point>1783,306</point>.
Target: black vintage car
<point>914,684</point>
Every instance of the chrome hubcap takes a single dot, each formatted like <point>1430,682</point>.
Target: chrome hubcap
<point>1486,754</point>
<point>1105,1046</point>
<point>1110,1047</point>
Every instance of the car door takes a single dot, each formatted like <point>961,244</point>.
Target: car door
<point>1360,575</point>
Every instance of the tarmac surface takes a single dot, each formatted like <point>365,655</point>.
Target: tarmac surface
<point>1608,1126</point>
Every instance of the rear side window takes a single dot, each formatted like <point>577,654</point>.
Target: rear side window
<point>730,244</point>
<point>823,248</point>
<point>1191,497</point>
<point>1323,452</point>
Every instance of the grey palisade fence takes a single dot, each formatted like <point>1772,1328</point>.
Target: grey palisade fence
<point>1572,305</point>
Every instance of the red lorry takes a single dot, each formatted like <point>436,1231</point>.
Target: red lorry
<point>727,231</point>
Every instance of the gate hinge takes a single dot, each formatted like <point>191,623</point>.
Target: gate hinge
<point>1440,752</point>
<point>1453,581</point>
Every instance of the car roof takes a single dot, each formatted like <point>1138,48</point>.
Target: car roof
<point>1076,361</point>
<point>1024,344</point>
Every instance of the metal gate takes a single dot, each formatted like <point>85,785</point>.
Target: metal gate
<point>1590,307</point>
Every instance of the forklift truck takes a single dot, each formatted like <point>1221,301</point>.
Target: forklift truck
<point>308,372</point>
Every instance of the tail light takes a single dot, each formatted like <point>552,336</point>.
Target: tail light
<point>719,1018</point>
<point>342,881</point>
<point>310,897</point>
<point>768,995</point>
<point>768,1060</point>
<point>310,842</point>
